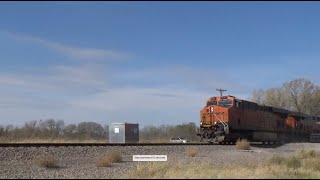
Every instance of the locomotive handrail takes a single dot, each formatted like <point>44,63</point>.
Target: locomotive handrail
<point>225,125</point>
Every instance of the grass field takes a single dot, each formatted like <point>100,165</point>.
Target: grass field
<point>305,164</point>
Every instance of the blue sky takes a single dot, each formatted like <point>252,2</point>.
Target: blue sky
<point>147,62</point>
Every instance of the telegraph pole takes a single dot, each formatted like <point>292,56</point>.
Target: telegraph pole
<point>221,91</point>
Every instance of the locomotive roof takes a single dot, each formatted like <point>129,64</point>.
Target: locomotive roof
<point>274,109</point>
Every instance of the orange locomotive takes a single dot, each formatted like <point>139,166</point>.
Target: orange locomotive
<point>226,119</point>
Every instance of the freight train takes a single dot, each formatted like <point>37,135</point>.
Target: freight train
<point>225,119</point>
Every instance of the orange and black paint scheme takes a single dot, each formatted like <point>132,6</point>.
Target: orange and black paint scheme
<point>225,119</point>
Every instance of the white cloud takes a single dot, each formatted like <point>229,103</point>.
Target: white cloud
<point>86,75</point>
<point>58,81</point>
<point>122,99</point>
<point>80,53</point>
<point>11,80</point>
<point>205,80</point>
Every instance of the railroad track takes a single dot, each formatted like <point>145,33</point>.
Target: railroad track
<point>96,144</point>
<point>117,144</point>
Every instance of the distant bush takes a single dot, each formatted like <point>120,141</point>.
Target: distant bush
<point>243,144</point>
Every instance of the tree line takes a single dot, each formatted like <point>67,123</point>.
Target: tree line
<point>57,129</point>
<point>54,129</point>
<point>299,95</point>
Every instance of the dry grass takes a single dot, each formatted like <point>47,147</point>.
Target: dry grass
<point>243,144</point>
<point>207,171</point>
<point>48,161</point>
<point>293,162</point>
<point>107,159</point>
<point>144,141</point>
<point>313,164</point>
<point>191,151</point>
<point>306,158</point>
<point>306,154</point>
<point>289,162</point>
<point>292,167</point>
<point>278,160</point>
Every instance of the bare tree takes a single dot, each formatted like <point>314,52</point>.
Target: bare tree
<point>47,124</point>
<point>59,127</point>
<point>315,103</point>
<point>91,130</point>
<point>257,96</point>
<point>276,97</point>
<point>9,128</point>
<point>300,94</point>
<point>31,124</point>
<point>1,130</point>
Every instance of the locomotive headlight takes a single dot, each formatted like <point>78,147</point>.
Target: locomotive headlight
<point>200,123</point>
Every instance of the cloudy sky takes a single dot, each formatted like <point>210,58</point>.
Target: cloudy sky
<point>148,63</point>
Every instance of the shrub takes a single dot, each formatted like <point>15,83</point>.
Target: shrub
<point>191,151</point>
<point>115,157</point>
<point>243,144</point>
<point>107,159</point>
<point>104,162</point>
<point>47,162</point>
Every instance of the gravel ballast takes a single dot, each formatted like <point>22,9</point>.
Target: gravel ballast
<point>80,162</point>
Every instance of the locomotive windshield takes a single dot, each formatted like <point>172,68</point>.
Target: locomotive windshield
<point>210,103</point>
<point>225,103</point>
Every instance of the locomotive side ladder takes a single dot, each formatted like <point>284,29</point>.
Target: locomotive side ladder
<point>225,125</point>
<point>220,133</point>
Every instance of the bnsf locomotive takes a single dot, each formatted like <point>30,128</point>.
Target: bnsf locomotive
<point>225,119</point>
